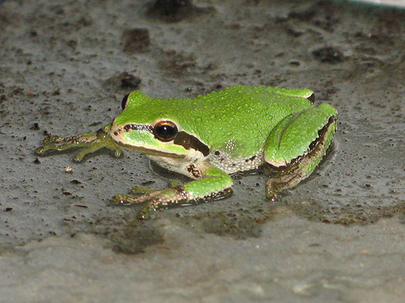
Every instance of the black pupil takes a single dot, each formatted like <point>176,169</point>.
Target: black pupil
<point>165,132</point>
<point>124,102</point>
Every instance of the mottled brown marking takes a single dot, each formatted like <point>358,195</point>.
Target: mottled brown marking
<point>192,169</point>
<point>250,159</point>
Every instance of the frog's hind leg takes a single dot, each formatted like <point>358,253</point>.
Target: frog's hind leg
<point>286,152</point>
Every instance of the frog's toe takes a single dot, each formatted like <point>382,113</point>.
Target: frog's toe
<point>40,151</point>
<point>144,213</point>
<point>121,199</point>
<point>79,157</point>
<point>51,139</point>
<point>117,153</point>
<point>271,194</point>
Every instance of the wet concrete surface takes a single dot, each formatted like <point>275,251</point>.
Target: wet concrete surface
<point>64,68</point>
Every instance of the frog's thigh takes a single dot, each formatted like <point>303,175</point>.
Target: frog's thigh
<point>296,134</point>
<point>299,142</point>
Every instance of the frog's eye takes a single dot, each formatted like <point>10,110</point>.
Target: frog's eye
<point>124,102</point>
<point>165,130</point>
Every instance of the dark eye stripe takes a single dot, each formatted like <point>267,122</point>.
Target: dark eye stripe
<point>188,141</point>
<point>130,127</point>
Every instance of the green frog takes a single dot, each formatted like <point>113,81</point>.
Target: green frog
<point>210,137</point>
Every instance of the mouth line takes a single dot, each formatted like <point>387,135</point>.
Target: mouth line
<point>148,151</point>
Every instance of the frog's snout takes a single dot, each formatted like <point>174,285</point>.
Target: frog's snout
<point>115,130</point>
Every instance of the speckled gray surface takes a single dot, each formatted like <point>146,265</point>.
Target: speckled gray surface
<point>338,236</point>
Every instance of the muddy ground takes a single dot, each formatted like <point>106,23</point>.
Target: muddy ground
<point>64,68</point>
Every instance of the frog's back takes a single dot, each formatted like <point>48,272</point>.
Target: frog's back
<point>244,103</point>
<point>238,119</point>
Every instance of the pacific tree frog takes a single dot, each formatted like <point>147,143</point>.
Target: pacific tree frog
<point>211,136</point>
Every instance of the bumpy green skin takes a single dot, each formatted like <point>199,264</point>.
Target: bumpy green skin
<point>292,136</point>
<point>241,127</point>
<point>242,115</point>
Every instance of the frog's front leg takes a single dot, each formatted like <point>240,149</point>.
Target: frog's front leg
<point>297,145</point>
<point>213,183</point>
<point>93,141</point>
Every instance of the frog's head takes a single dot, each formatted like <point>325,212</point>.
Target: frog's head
<point>146,124</point>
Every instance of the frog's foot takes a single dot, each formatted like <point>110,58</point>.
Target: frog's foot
<point>154,198</point>
<point>277,184</point>
<point>93,141</point>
